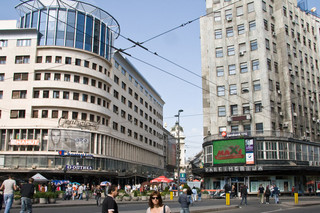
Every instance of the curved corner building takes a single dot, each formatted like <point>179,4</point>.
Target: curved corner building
<point>71,108</point>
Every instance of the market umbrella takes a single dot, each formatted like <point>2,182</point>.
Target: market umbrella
<point>196,180</point>
<point>161,179</point>
<point>104,183</point>
<point>39,178</point>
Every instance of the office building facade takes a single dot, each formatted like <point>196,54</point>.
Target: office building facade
<point>260,64</point>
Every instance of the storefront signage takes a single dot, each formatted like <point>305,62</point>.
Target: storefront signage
<point>82,124</point>
<point>24,142</point>
<point>76,167</point>
<point>237,134</point>
<point>81,155</point>
<point>233,169</point>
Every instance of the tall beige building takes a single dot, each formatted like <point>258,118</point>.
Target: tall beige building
<point>260,68</point>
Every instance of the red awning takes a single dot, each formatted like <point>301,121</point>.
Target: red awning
<point>161,179</point>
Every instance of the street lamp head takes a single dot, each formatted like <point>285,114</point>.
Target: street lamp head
<point>180,110</point>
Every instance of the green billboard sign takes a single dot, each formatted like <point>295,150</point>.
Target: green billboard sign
<point>229,152</point>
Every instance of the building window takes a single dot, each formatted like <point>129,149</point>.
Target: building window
<point>243,67</point>
<point>267,44</point>
<point>20,76</point>
<point>3,59</point>
<point>208,154</point>
<point>245,87</point>
<point>36,94</point>
<point>56,94</point>
<point>24,59</point>
<point>229,31</point>
<point>256,85</point>
<point>66,77</point>
<point>84,97</point>
<point>241,29</point>
<point>86,64</point>
<point>65,95</point>
<point>68,60</point>
<point>217,16</point>
<point>221,111</point>
<point>257,107</point>
<point>259,127</point>
<point>75,115</point>
<point>266,25</point>
<point>19,94</point>
<point>220,90</point>
<point>76,96</point>
<point>48,59</point>
<point>45,94</point>
<point>250,7</point>
<point>116,79</point>
<point>23,42</point>
<point>235,128</point>
<point>231,50</point>
<point>35,113</point>
<point>65,114</point>
<point>240,11</point>
<point>246,109</point>
<point>228,14</point>
<point>252,25</point>
<point>234,109</point>
<point>3,43</point>
<point>17,114</point>
<point>246,127</point>
<point>57,77</point>
<point>78,62</point>
<point>232,69</point>
<point>219,52</point>
<point>44,114</point>
<point>58,60</point>
<point>233,89</point>
<point>218,34</point>
<point>220,71</point>
<point>47,76</point>
<point>1,94</point>
<point>253,45</point>
<point>1,76</point>
<point>76,79</point>
<point>255,65</point>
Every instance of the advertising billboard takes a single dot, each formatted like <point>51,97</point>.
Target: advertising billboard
<point>229,152</point>
<point>69,140</point>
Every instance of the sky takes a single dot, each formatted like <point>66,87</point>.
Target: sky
<point>141,20</point>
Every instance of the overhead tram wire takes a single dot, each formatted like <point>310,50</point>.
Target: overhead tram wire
<point>140,45</point>
<point>177,27</point>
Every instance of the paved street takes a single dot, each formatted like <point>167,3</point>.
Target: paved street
<point>306,204</point>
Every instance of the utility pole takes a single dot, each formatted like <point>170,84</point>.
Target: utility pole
<point>178,150</point>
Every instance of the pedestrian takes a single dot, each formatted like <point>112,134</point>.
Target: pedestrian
<point>261,193</point>
<point>74,191</point>
<point>109,204</point>
<point>244,194</point>
<point>9,185</point>
<point>276,193</point>
<point>233,191</point>
<point>156,205</point>
<point>267,193</point>
<point>199,195</point>
<point>194,194</point>
<point>97,193</point>
<point>189,194</point>
<point>68,192</point>
<point>87,189</point>
<point>184,201</point>
<point>80,191</point>
<point>292,190</point>
<point>27,191</point>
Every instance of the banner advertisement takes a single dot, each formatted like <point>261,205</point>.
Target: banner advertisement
<point>69,140</point>
<point>229,152</point>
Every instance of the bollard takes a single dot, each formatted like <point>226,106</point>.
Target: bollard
<point>228,199</point>
<point>296,198</point>
<point>171,195</point>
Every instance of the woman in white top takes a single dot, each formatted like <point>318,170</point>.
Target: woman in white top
<point>155,204</point>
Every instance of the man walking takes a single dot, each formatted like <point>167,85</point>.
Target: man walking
<point>109,204</point>
<point>244,194</point>
<point>9,186</point>
<point>194,194</point>
<point>184,201</point>
<point>27,191</point>
<point>80,191</point>
<point>276,193</point>
<point>261,193</point>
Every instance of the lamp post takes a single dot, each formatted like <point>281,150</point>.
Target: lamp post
<point>178,150</point>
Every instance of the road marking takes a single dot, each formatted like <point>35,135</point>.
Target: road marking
<point>278,210</point>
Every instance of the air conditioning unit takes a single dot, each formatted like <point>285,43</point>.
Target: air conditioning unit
<point>314,119</point>
<point>279,91</point>
<point>303,138</point>
<point>318,121</point>
<point>16,167</point>
<point>99,169</point>
<point>241,53</point>
<point>229,18</point>
<point>307,132</point>
<point>295,40</point>
<point>245,90</point>
<point>229,119</point>
<point>281,113</point>
<point>272,17</point>
<point>60,167</point>
<point>248,117</point>
<point>295,114</point>
<point>291,73</point>
<point>274,34</point>
<point>285,125</point>
<point>34,166</point>
<point>293,22</point>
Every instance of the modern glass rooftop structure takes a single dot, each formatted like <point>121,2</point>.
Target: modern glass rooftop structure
<point>70,23</point>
